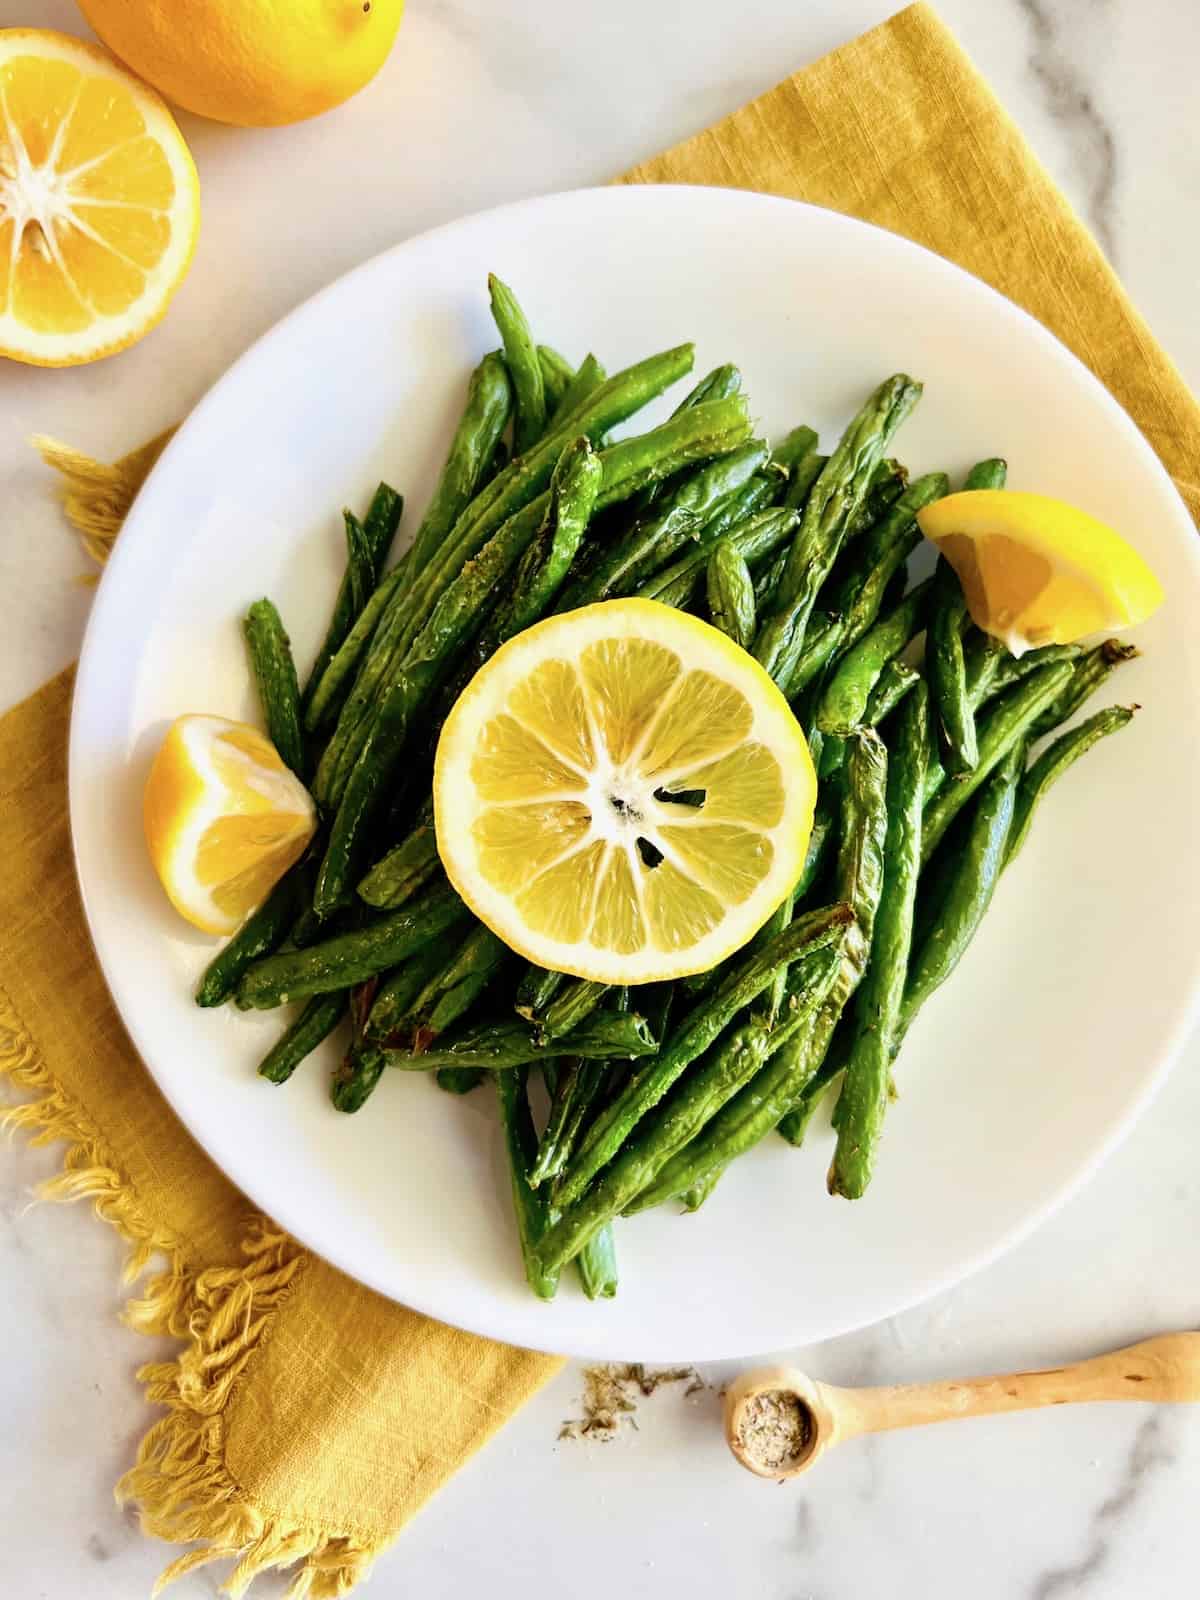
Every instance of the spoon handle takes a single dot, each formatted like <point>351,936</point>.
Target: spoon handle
<point>1166,1368</point>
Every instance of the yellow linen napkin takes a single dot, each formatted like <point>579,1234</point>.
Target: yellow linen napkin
<point>306,1418</point>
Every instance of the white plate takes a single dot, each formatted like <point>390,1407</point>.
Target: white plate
<point>1023,1071</point>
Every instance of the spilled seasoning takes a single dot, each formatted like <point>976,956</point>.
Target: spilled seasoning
<point>611,1394</point>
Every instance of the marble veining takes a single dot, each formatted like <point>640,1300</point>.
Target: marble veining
<point>1053,65</point>
<point>482,104</point>
<point>1115,1515</point>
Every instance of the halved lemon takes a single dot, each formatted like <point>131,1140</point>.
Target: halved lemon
<point>1038,571</point>
<point>224,820</point>
<point>622,793</point>
<point>99,201</point>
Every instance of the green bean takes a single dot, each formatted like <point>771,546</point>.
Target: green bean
<point>758,493</point>
<point>536,990</point>
<point>541,571</point>
<point>754,539</point>
<point>350,958</point>
<point>489,405</point>
<point>278,689</point>
<point>695,1101</point>
<point>678,514</point>
<point>693,1121</point>
<point>731,593</point>
<point>802,478</point>
<point>363,567</point>
<point>531,1209</point>
<point>952,919</point>
<point>885,488</point>
<point>833,756</point>
<point>982,658</point>
<point>1011,669</point>
<point>524,368</point>
<point>989,474</point>
<point>262,932</point>
<point>314,1024</point>
<point>797,446</point>
<point>824,639</point>
<point>1054,761</point>
<point>459,1080</point>
<point>767,582</point>
<point>398,992</point>
<point>406,868</point>
<point>821,844</point>
<point>891,686</point>
<point>360,571</point>
<point>1091,670</point>
<point>886,547</point>
<point>862,591</point>
<point>327,695</point>
<point>845,697</point>
<point>691,1037</point>
<point>570,1007</point>
<point>864,1096</point>
<point>719,384</point>
<point>587,379</point>
<point>1008,723</point>
<point>507,494</point>
<point>947,673</point>
<point>500,458</point>
<point>606,1035</point>
<point>858,880</point>
<point>579,1087</point>
<point>373,770</point>
<point>692,1199</point>
<point>357,1078</point>
<point>573,491</point>
<point>452,990</point>
<point>557,373</point>
<point>831,508</point>
<point>597,1264</point>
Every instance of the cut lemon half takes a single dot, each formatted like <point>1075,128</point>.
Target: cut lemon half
<point>622,793</point>
<point>224,820</point>
<point>1038,571</point>
<point>99,202</point>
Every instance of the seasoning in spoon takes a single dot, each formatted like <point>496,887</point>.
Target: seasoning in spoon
<point>775,1429</point>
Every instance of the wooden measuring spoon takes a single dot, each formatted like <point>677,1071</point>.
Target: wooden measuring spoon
<point>779,1422</point>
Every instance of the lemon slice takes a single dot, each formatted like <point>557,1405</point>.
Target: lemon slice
<point>623,794</point>
<point>1039,571</point>
<point>99,202</point>
<point>224,820</point>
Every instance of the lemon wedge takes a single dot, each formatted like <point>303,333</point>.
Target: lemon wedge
<point>99,202</point>
<point>623,794</point>
<point>1039,571</point>
<point>224,820</point>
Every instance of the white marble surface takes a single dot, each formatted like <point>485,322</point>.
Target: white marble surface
<point>480,104</point>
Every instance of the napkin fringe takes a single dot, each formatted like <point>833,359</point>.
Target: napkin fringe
<point>180,1483</point>
<point>97,495</point>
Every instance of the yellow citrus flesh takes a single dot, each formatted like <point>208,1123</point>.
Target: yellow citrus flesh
<point>251,62</point>
<point>623,794</point>
<point>99,202</point>
<point>1039,571</point>
<point>224,820</point>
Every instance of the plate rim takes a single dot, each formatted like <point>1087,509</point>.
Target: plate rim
<point>502,1325</point>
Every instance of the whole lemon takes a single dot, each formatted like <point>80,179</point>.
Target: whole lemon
<point>256,63</point>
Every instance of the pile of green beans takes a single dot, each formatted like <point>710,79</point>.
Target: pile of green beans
<point>921,727</point>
